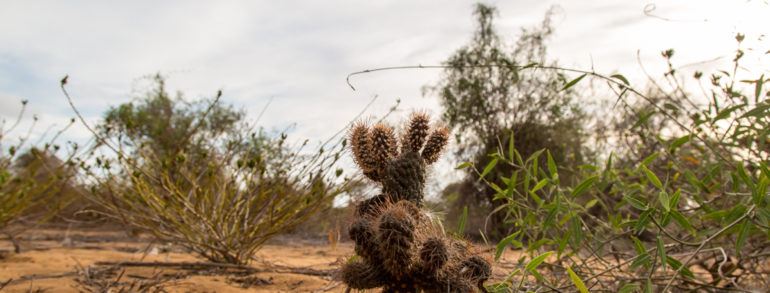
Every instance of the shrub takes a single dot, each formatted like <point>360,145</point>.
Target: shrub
<point>34,183</point>
<point>487,97</point>
<point>195,176</point>
<point>684,208</point>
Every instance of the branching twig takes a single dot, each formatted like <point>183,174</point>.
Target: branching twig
<point>703,243</point>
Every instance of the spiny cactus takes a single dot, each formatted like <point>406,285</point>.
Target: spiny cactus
<point>399,247</point>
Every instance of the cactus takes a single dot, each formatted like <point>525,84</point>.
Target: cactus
<point>399,248</point>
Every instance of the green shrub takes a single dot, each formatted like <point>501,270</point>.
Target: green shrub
<point>684,207</point>
<point>486,97</point>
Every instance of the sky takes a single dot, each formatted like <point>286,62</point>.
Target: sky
<point>295,55</point>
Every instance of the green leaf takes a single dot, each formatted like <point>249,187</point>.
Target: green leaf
<point>576,280</point>
<point>461,225</point>
<point>664,200</point>
<point>511,155</point>
<point>535,155</point>
<point>505,242</point>
<point>621,78</point>
<point>630,288</point>
<point>489,168</point>
<point>583,186</point>
<point>759,196</point>
<point>649,159</point>
<point>551,165</point>
<point>532,265</point>
<point>648,285</point>
<point>745,228</point>
<point>635,203</point>
<point>674,202</point>
<point>679,142</point>
<point>726,112</point>
<point>764,169</point>
<point>662,252</point>
<point>591,203</point>
<point>530,65</point>
<point>463,166</point>
<point>757,111</point>
<point>643,259</point>
<point>573,82</point>
<point>677,264</point>
<point>679,218</point>
<point>745,177</point>
<point>539,185</point>
<point>638,246</point>
<point>652,177</point>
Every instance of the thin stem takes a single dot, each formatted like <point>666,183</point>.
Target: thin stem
<point>704,242</point>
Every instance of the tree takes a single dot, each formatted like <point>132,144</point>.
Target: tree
<point>488,96</point>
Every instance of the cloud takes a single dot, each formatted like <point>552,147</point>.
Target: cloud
<point>257,51</point>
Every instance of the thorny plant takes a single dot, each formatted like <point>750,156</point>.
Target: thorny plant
<point>398,246</point>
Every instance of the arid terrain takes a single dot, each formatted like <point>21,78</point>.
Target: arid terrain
<point>99,259</point>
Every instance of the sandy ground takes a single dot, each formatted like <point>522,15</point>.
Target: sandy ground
<point>67,260</point>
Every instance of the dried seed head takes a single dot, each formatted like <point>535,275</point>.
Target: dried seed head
<point>435,145</point>
<point>383,144</point>
<point>416,133</point>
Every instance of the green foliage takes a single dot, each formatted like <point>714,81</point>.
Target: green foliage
<point>490,99</point>
<point>197,176</point>
<point>680,205</point>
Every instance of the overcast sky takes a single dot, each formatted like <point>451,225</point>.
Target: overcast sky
<point>298,53</point>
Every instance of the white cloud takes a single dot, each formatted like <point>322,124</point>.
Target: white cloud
<point>300,52</point>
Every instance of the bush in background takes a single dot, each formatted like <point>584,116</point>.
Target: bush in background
<point>34,183</point>
<point>682,206</point>
<point>196,175</point>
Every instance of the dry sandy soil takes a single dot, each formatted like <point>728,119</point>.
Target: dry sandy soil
<point>84,260</point>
